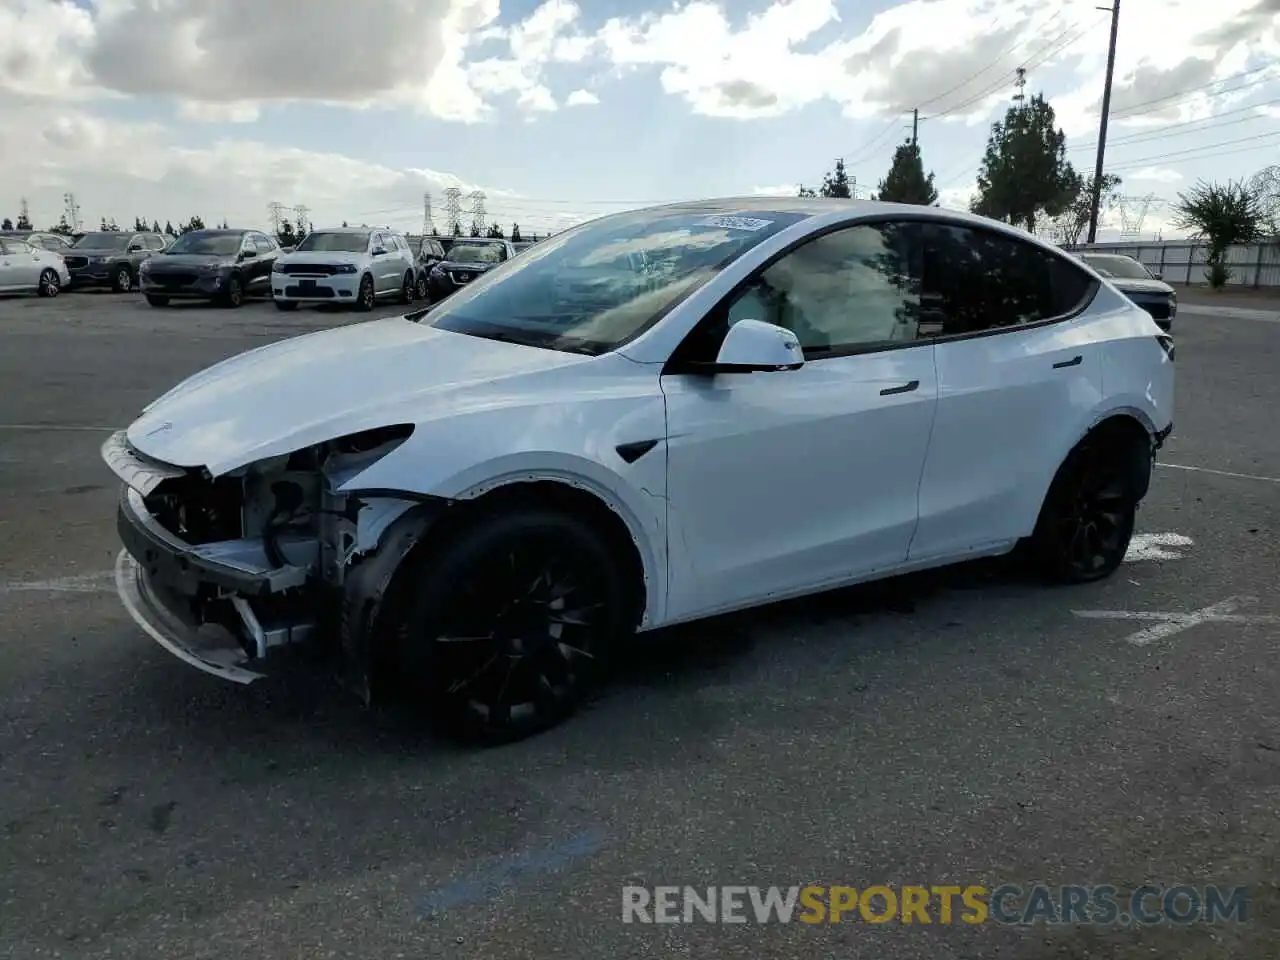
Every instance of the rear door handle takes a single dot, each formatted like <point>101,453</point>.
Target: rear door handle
<point>905,388</point>
<point>1073,362</point>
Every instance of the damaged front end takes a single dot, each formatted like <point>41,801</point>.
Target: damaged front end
<point>222,571</point>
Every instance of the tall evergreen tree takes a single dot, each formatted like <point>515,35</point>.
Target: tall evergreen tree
<point>1025,173</point>
<point>906,181</point>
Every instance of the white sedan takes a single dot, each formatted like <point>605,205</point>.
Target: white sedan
<point>477,503</point>
<point>26,269</point>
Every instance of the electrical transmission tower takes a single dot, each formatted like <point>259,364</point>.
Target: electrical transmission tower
<point>300,215</point>
<point>1133,211</point>
<point>428,224</point>
<point>478,222</point>
<point>71,210</point>
<point>1020,98</point>
<point>452,209</point>
<point>24,211</point>
<point>276,210</point>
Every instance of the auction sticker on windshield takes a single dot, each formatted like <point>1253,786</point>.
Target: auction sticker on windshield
<point>736,223</point>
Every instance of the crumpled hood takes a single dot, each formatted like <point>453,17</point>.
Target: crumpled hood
<point>1125,285</point>
<point>186,261</point>
<point>298,392</point>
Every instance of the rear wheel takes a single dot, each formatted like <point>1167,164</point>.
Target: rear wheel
<point>50,285</point>
<point>157,301</point>
<point>502,632</point>
<point>364,296</point>
<point>1087,519</point>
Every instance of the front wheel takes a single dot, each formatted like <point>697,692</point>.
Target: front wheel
<point>122,280</point>
<point>422,292</point>
<point>50,285</point>
<point>501,633</point>
<point>1087,519</point>
<point>156,301</point>
<point>365,297</point>
<point>234,295</point>
<point>408,289</point>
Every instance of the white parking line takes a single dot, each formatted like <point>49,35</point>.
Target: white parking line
<point>1220,473</point>
<point>1156,546</point>
<point>1169,624</point>
<point>100,582</point>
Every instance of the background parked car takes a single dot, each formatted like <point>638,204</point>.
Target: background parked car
<point>221,266</point>
<point>350,265</point>
<point>467,258</point>
<point>1135,281</point>
<point>429,251</point>
<point>110,258</point>
<point>53,242</point>
<point>25,268</point>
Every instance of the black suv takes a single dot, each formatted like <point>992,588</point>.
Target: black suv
<point>430,251</point>
<point>221,266</point>
<point>110,258</point>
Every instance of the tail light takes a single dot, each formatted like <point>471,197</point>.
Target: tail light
<point>1166,344</point>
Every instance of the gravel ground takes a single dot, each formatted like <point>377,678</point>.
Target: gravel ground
<point>964,727</point>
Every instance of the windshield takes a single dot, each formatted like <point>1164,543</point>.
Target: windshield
<point>463,252</point>
<point>593,288</point>
<point>213,244</point>
<point>335,242</point>
<point>1123,268</point>
<point>103,241</point>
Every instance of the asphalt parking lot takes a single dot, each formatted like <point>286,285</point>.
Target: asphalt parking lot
<point>959,728</point>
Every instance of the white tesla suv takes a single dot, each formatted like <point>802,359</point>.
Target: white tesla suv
<point>480,501</point>
<point>352,266</point>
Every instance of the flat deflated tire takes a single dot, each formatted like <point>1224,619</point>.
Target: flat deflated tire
<point>502,631</point>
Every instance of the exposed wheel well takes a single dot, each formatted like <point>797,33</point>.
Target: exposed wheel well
<point>560,496</point>
<point>1127,437</point>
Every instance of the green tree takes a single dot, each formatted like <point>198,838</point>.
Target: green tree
<point>515,233</point>
<point>168,228</point>
<point>1221,215</point>
<point>155,226</point>
<point>195,223</point>
<point>434,231</point>
<point>457,229</point>
<point>906,181</point>
<point>24,222</point>
<point>6,224</point>
<point>1075,218</point>
<point>1265,184</point>
<point>835,183</point>
<point>1025,173</point>
<point>344,223</point>
<point>285,235</point>
<point>62,228</point>
<point>495,232</point>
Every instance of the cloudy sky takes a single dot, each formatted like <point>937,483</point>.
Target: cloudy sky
<point>560,110</point>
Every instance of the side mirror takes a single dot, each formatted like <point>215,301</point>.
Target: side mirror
<point>755,346</point>
<point>379,251</point>
<point>248,254</point>
<point>136,248</point>
<point>1158,276</point>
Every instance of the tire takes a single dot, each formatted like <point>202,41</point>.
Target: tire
<point>286,305</point>
<point>408,288</point>
<point>365,297</point>
<point>49,285</point>
<point>234,296</point>
<point>503,631</point>
<point>423,293</point>
<point>157,301</point>
<point>122,279</point>
<point>1088,516</point>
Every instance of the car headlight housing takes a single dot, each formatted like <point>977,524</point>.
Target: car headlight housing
<point>345,268</point>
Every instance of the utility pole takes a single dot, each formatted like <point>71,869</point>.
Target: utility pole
<point>915,127</point>
<point>1096,199</point>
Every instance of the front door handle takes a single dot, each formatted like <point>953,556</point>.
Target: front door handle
<point>1073,362</point>
<point>905,388</point>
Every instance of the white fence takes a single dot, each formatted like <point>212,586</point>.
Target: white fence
<point>1183,261</point>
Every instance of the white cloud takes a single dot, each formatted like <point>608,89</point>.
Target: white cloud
<point>581,98</point>
<point>781,190</point>
<point>1155,175</point>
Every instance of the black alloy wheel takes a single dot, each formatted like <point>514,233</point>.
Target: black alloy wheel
<point>50,285</point>
<point>507,629</point>
<point>365,297</point>
<point>122,280</point>
<point>422,293</point>
<point>1088,518</point>
<point>408,289</point>
<point>234,295</point>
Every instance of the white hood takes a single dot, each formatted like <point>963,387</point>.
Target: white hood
<point>295,393</point>
<point>323,256</point>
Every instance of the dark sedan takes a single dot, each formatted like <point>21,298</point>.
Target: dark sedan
<point>220,266</point>
<point>465,260</point>
<point>1131,278</point>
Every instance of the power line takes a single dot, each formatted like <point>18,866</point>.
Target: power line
<point>1163,134</point>
<point>1196,153</point>
<point>1132,109</point>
